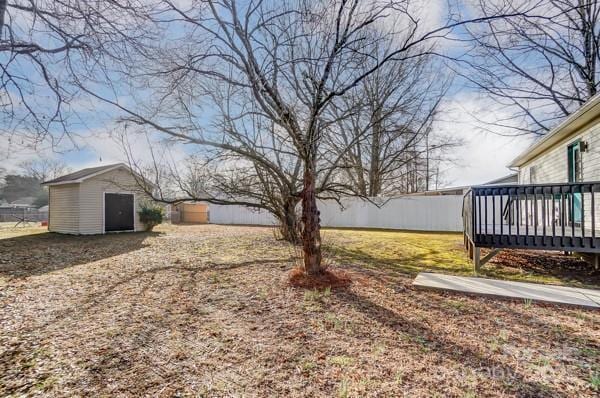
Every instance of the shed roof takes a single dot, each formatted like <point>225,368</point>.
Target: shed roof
<point>84,174</point>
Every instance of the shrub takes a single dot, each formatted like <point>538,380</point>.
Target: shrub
<point>151,216</point>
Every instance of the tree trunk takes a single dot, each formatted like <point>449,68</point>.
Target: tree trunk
<point>289,226</point>
<point>374,167</point>
<point>2,13</point>
<point>311,228</point>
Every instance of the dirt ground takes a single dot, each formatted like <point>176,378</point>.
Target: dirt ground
<point>207,311</point>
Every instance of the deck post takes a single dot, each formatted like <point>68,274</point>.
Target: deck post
<point>477,258</point>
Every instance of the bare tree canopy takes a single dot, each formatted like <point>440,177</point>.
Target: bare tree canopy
<point>44,169</point>
<point>387,142</point>
<point>538,66</point>
<point>43,45</point>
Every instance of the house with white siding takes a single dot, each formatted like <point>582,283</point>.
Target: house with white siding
<point>554,205</point>
<point>568,153</point>
<point>96,200</point>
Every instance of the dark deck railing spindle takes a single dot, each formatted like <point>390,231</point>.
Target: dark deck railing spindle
<point>544,217</point>
<point>526,217</point>
<point>592,213</point>
<point>553,216</point>
<point>562,216</point>
<point>501,218</point>
<point>535,214</point>
<point>479,216</point>
<point>486,214</point>
<point>494,219</point>
<point>582,214</point>
<point>510,218</point>
<point>518,211</point>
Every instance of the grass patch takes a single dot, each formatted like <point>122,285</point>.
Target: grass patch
<point>411,252</point>
<point>8,230</point>
<point>595,382</point>
<point>342,361</point>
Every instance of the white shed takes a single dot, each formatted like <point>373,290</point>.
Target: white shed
<point>95,200</point>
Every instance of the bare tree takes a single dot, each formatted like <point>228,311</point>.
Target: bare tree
<point>42,43</point>
<point>44,169</point>
<point>387,143</point>
<point>288,61</point>
<point>539,67</point>
<point>221,176</point>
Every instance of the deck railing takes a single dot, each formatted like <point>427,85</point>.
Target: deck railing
<point>561,216</point>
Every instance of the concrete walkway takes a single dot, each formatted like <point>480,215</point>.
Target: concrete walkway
<point>506,289</point>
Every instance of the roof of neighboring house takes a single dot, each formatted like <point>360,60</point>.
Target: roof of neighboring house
<point>24,201</point>
<point>509,179</point>
<point>590,111</point>
<point>440,191</point>
<point>84,174</point>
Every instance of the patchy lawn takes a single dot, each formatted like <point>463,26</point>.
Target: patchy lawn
<point>207,311</point>
<point>8,229</point>
<point>413,252</point>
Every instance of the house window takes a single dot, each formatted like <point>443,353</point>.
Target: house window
<point>532,175</point>
<point>574,168</point>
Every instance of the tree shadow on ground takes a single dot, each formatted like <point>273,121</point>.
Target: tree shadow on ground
<point>31,255</point>
<point>92,300</point>
<point>469,358</point>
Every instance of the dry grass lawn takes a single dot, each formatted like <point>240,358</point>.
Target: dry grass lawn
<point>207,311</point>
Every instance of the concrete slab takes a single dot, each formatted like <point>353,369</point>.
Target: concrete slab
<point>587,298</point>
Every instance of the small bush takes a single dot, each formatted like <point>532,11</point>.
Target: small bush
<point>151,216</point>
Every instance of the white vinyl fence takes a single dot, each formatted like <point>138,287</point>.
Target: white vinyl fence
<point>421,213</point>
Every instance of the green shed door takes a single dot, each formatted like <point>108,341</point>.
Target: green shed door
<point>574,168</point>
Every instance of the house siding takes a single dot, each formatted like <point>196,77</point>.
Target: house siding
<point>91,191</point>
<point>64,209</point>
<point>552,166</point>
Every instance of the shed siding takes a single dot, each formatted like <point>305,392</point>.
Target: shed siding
<point>91,220</point>
<point>64,209</point>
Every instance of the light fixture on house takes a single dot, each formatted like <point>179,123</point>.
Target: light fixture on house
<point>583,146</point>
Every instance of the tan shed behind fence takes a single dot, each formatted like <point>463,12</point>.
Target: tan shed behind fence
<point>192,213</point>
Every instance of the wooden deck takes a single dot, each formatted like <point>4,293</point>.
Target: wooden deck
<point>562,217</point>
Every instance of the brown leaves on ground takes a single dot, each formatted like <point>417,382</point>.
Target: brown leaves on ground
<point>568,268</point>
<point>329,278</point>
<point>208,311</point>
